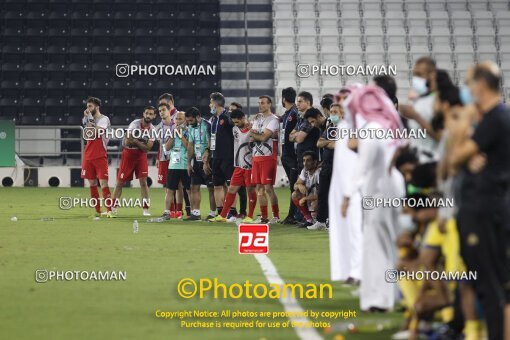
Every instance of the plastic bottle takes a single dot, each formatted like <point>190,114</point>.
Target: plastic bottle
<point>135,227</point>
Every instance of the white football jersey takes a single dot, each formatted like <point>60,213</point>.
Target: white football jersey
<point>242,148</point>
<point>311,180</point>
<point>260,124</point>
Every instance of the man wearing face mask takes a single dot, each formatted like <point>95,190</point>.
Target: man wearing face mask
<point>220,149</point>
<point>483,219</point>
<point>327,144</point>
<point>421,112</point>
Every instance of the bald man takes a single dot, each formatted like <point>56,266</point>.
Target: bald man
<point>420,113</point>
<point>483,218</point>
<point>176,149</point>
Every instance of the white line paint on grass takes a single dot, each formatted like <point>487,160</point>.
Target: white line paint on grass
<point>290,304</point>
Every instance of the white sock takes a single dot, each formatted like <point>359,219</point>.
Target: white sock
<point>167,211</point>
<point>212,213</point>
<point>196,212</point>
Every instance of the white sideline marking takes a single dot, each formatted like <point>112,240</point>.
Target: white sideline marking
<point>289,303</point>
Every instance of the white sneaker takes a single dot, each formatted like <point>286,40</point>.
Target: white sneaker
<point>274,220</point>
<point>355,292</point>
<point>317,226</point>
<point>232,219</point>
<point>146,212</point>
<point>401,335</point>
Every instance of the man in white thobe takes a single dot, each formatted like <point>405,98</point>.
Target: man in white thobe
<point>374,179</point>
<point>345,237</point>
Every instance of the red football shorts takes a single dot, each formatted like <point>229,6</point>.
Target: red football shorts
<point>263,171</point>
<point>241,177</point>
<point>275,167</point>
<point>132,161</point>
<point>162,171</point>
<point>95,168</point>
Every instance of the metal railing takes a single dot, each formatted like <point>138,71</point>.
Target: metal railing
<point>24,143</point>
<point>57,139</point>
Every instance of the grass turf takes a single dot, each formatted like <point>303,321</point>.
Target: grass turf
<point>155,260</point>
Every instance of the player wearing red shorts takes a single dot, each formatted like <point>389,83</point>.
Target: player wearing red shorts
<point>94,165</point>
<point>164,131</point>
<point>134,156</point>
<point>265,126</point>
<point>306,188</point>
<point>242,168</point>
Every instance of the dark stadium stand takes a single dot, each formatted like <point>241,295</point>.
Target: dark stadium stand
<point>56,53</point>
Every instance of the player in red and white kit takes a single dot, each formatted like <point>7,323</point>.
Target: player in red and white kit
<point>265,127</point>
<point>134,156</point>
<point>95,165</point>
<point>242,168</point>
<point>164,129</point>
<point>306,188</point>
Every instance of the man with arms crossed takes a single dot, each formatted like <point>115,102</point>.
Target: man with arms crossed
<point>164,129</point>
<point>483,218</point>
<point>134,157</point>
<point>327,144</point>
<point>289,157</point>
<point>242,167</point>
<point>265,126</point>
<point>304,134</point>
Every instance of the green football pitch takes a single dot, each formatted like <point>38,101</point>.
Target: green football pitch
<point>155,259</point>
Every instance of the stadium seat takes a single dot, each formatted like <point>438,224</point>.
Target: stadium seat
<point>30,120</point>
<point>56,119</point>
<point>330,48</point>
<point>13,31</point>
<point>8,114</point>
<point>36,30</point>
<point>330,58</point>
<point>121,119</point>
